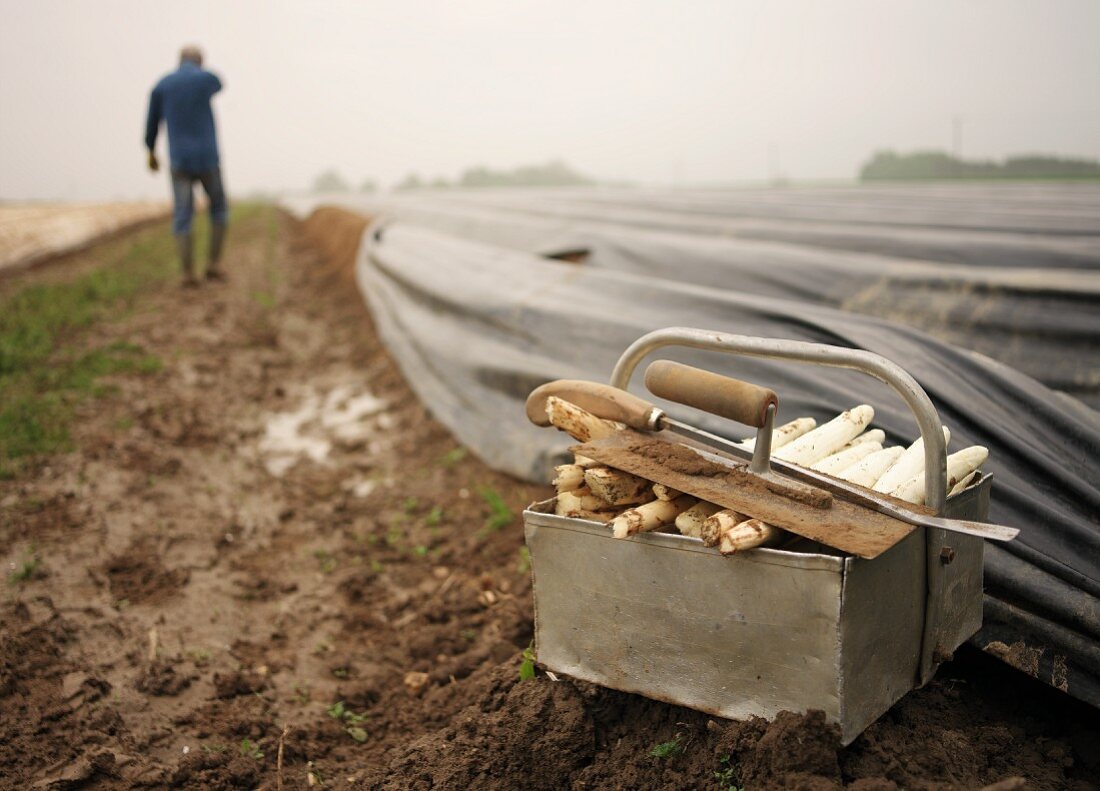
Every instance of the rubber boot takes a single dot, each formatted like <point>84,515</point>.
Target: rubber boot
<point>214,270</point>
<point>187,260</point>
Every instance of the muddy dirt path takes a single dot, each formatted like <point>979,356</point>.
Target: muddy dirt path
<point>266,566</point>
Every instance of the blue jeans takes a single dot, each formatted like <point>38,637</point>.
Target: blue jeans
<point>183,196</point>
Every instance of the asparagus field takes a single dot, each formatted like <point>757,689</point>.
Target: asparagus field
<point>254,559</point>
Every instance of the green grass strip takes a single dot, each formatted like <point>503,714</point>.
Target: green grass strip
<point>44,371</point>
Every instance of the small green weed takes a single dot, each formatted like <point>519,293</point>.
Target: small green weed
<point>341,713</point>
<point>434,517</point>
<point>326,560</point>
<point>453,456</point>
<point>249,749</point>
<point>314,776</point>
<point>200,656</point>
<point>527,667</point>
<point>26,570</point>
<point>729,776</point>
<point>666,750</point>
<point>409,505</point>
<point>524,564</point>
<point>264,299</point>
<point>500,515</point>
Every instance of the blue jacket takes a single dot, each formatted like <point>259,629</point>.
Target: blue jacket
<point>182,99</point>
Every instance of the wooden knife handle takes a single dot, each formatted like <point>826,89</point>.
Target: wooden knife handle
<point>720,395</point>
<point>601,400</point>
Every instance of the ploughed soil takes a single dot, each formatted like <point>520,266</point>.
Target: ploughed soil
<point>266,566</point>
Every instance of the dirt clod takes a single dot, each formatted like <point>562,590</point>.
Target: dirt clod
<point>163,678</point>
<point>792,750</point>
<point>139,576</point>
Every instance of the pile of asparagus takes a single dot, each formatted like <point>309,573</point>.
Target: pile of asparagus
<point>844,447</point>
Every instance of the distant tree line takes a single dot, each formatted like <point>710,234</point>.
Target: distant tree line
<point>551,174</point>
<point>890,166</point>
<point>332,181</point>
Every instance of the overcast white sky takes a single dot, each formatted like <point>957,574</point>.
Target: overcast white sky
<point>650,91</point>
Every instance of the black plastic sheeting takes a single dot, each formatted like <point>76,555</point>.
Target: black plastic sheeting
<point>476,319</point>
<point>948,260</point>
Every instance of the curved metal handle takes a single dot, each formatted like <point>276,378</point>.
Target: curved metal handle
<point>935,449</point>
<point>724,396</point>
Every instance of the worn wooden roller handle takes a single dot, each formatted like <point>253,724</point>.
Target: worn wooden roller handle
<point>720,395</point>
<point>601,400</point>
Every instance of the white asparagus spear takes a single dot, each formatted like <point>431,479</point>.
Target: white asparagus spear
<point>908,465</point>
<point>725,519</point>
<point>869,469</point>
<point>569,477</point>
<point>750,534</point>
<point>577,423</point>
<point>964,483</point>
<point>785,434</point>
<point>569,507</point>
<point>665,492</point>
<point>650,516</point>
<point>581,500</point>
<point>846,457</point>
<point>959,465</point>
<point>874,435</point>
<point>617,487</point>
<point>690,522</point>
<point>827,439</point>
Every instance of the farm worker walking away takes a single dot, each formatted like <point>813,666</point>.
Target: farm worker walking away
<point>182,100</point>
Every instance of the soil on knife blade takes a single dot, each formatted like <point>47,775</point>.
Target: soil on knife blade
<point>266,566</point>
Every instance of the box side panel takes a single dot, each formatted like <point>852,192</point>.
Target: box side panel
<point>882,621</point>
<point>961,616</point>
<point>720,634</point>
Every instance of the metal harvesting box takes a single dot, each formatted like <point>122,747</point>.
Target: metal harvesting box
<point>756,633</point>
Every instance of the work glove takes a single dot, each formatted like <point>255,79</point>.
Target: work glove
<point>154,165</point>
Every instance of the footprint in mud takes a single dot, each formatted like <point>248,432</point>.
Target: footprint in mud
<point>137,576</point>
<point>162,678</point>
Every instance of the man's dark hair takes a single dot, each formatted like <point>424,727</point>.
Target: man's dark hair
<point>191,54</point>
